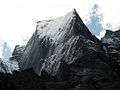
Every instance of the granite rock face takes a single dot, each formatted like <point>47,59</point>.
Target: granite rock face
<point>65,49</point>
<point>63,39</point>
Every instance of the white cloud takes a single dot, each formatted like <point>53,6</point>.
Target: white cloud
<point>110,9</point>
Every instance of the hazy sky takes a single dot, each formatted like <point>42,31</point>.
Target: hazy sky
<point>18,18</point>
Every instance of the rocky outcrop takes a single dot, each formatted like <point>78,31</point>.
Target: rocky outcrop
<point>17,53</point>
<point>13,63</point>
<point>8,66</point>
<point>112,42</point>
<point>64,38</point>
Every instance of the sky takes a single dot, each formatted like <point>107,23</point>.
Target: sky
<point>18,18</point>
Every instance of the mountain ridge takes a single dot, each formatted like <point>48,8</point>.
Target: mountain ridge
<point>67,56</point>
<point>53,36</point>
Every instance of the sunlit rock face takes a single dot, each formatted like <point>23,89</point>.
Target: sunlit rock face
<point>63,39</point>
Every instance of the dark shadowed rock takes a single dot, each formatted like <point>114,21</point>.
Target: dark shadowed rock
<point>17,53</point>
<point>112,42</point>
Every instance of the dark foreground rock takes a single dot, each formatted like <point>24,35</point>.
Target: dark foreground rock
<point>28,80</point>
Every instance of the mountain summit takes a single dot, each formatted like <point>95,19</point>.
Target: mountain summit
<point>65,55</point>
<point>54,41</point>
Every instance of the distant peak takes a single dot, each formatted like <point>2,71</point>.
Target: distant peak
<point>110,32</point>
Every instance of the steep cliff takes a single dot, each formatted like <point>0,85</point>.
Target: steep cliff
<point>62,39</point>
